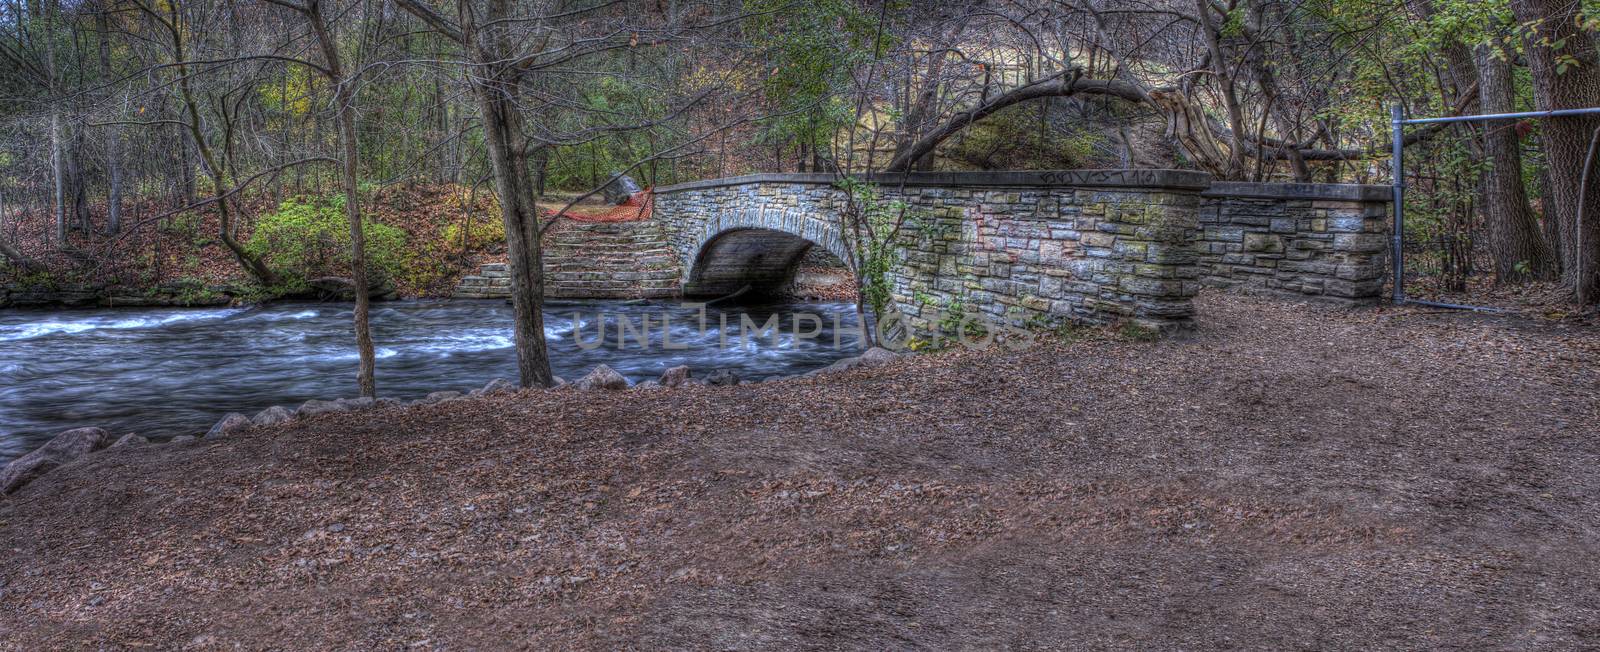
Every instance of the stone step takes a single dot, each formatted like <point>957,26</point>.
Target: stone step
<point>636,225</point>
<point>623,260</point>
<point>606,237</point>
<point>605,285</point>
<point>599,229</point>
<point>605,248</point>
<point>595,262</point>
<point>573,250</point>
<point>620,276</point>
<point>601,293</point>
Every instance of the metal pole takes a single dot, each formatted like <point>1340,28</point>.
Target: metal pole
<point>1559,113</point>
<point>1397,238</point>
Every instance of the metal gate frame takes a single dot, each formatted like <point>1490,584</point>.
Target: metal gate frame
<point>1397,238</point>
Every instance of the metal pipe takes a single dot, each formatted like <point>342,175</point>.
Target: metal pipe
<point>1453,306</point>
<point>1505,116</point>
<point>1397,238</point>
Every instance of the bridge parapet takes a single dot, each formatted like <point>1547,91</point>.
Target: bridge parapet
<point>1315,240</point>
<point>1026,247</point>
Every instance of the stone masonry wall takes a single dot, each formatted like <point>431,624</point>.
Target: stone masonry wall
<point>1084,246</point>
<point>592,260</point>
<point>1027,256</point>
<point>1317,240</point>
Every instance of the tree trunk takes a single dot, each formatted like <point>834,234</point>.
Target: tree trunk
<point>56,162</point>
<point>113,136</point>
<point>1230,98</point>
<point>17,258</point>
<point>921,108</point>
<point>1567,77</point>
<point>1519,250</point>
<point>519,211</point>
<point>214,168</point>
<point>58,172</point>
<point>344,101</point>
<point>496,87</point>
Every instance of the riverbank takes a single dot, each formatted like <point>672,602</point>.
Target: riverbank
<point>165,257</point>
<point>1288,477</point>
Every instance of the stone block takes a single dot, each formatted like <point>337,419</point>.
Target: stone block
<point>1097,239</point>
<point>1346,223</point>
<point>1224,234</point>
<point>1262,242</point>
<point>1360,242</point>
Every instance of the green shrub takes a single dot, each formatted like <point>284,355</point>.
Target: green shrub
<point>309,237</point>
<point>481,233</point>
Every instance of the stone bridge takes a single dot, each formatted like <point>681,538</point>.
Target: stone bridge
<point>1094,246</point>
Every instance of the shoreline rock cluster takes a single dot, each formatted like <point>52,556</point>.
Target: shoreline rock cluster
<point>76,443</point>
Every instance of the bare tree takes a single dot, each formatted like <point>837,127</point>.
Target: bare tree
<point>344,99</point>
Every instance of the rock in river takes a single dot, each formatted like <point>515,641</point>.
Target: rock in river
<point>315,407</point>
<point>131,439</point>
<point>723,377</point>
<point>499,385</point>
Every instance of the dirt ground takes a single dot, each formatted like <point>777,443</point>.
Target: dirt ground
<point>1289,477</point>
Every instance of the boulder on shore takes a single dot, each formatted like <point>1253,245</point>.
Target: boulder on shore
<point>675,376</point>
<point>272,416</point>
<point>603,377</point>
<point>130,439</point>
<point>873,357</point>
<point>229,424</point>
<point>723,377</point>
<point>878,356</point>
<point>497,386</point>
<point>61,449</point>
<point>440,397</point>
<point>620,189</point>
<point>315,407</point>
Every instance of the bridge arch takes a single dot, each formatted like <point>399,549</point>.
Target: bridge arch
<point>762,260</point>
<point>756,248</point>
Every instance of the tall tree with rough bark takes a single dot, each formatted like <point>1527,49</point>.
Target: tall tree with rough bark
<point>1565,67</point>
<point>1516,244</point>
<point>483,31</point>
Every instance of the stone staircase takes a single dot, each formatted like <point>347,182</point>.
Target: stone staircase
<point>592,260</point>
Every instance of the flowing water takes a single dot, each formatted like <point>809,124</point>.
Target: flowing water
<point>168,372</point>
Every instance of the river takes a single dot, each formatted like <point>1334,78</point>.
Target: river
<point>168,372</point>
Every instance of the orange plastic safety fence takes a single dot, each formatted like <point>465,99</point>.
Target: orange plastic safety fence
<point>638,207</point>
